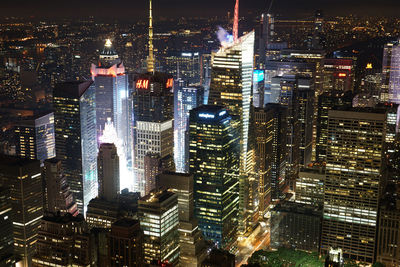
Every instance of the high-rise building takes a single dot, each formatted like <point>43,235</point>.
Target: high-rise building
<point>270,138</point>
<point>390,69</point>
<point>310,186</point>
<point>214,162</point>
<point>192,246</point>
<point>354,181</point>
<point>231,80</point>
<point>184,65</point>
<point>266,33</point>
<point>338,75</point>
<point>108,172</point>
<point>306,101</point>
<point>152,167</point>
<point>76,140</point>
<point>126,243</point>
<point>63,240</point>
<point>6,229</point>
<point>58,196</point>
<point>153,121</point>
<point>185,99</point>
<point>113,106</point>
<point>326,102</point>
<point>35,138</point>
<point>23,178</point>
<point>159,220</point>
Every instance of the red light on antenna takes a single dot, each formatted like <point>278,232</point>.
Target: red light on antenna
<point>142,84</point>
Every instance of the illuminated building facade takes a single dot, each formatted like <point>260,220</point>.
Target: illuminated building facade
<point>192,246</point>
<point>6,229</point>
<point>58,196</point>
<point>184,65</point>
<point>113,106</point>
<point>186,98</point>
<point>76,141</point>
<point>63,240</point>
<point>153,108</point>
<point>270,138</point>
<point>214,162</point>
<point>354,181</point>
<point>23,179</point>
<point>152,167</point>
<point>126,243</point>
<point>390,72</point>
<point>159,219</point>
<point>35,139</point>
<point>306,102</point>
<point>231,81</point>
<point>310,186</point>
<point>258,88</point>
<point>338,75</point>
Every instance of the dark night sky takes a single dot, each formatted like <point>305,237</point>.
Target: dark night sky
<point>172,8</point>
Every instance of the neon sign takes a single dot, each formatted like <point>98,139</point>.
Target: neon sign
<point>206,116</point>
<point>342,74</point>
<point>222,113</point>
<point>258,76</point>
<point>170,83</point>
<point>142,84</point>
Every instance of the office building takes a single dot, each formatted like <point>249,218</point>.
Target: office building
<point>185,99</point>
<point>270,153</point>
<point>108,172</point>
<point>231,80</point>
<point>390,72</point>
<point>214,162</point>
<point>338,75</point>
<point>192,246</point>
<point>63,240</point>
<point>76,141</point>
<point>354,181</point>
<point>58,196</point>
<point>6,229</point>
<point>126,243</point>
<point>152,167</point>
<point>310,186</point>
<point>113,106</point>
<point>306,101</point>
<point>159,220</point>
<point>328,101</point>
<point>23,179</point>
<point>184,65</point>
<point>153,122</point>
<point>295,225</point>
<point>35,138</point>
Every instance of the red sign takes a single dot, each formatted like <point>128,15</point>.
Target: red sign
<point>170,83</point>
<point>142,84</point>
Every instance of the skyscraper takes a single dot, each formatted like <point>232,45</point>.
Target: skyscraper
<point>214,162</point>
<point>231,80</point>
<point>192,245</point>
<point>113,107</point>
<point>35,138</point>
<point>6,229</point>
<point>184,65</point>
<point>390,72</point>
<point>159,220</point>
<point>108,172</point>
<point>153,121</point>
<point>152,167</point>
<point>23,179</point>
<point>76,141</point>
<point>271,152</point>
<point>126,243</point>
<point>58,196</point>
<point>354,181</point>
<point>185,99</point>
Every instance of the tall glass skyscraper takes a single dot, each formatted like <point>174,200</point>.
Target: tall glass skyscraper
<point>185,99</point>
<point>231,80</point>
<point>113,106</point>
<point>76,142</point>
<point>391,73</point>
<point>214,162</point>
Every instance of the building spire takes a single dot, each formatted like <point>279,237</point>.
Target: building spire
<point>235,31</point>
<point>150,58</point>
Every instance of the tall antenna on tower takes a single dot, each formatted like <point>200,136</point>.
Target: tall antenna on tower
<point>235,30</point>
<point>150,58</point>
